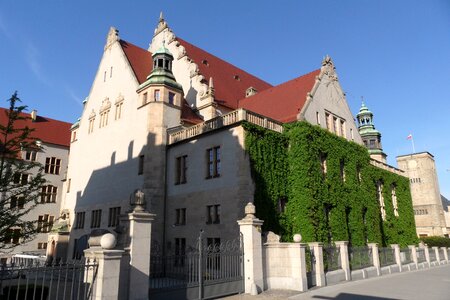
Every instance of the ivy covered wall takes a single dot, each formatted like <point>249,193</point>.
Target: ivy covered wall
<point>315,183</point>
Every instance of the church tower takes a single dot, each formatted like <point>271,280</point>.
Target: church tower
<point>370,136</point>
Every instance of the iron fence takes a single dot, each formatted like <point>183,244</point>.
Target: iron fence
<point>405,256</point>
<point>360,257</point>
<point>387,256</point>
<point>421,255</point>
<point>432,255</point>
<point>38,280</point>
<point>331,258</point>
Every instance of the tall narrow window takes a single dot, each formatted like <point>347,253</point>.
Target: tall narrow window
<point>327,120</point>
<point>342,169</point>
<point>118,110</point>
<point>394,200</point>
<point>113,218</point>
<point>79,220</point>
<point>323,163</point>
<point>213,162</point>
<point>335,125</point>
<point>144,98</point>
<point>91,125</point>
<point>181,167</point>
<point>180,216</point>
<point>381,200</point>
<point>52,165</point>
<point>180,251</point>
<point>104,76</point>
<point>317,118</point>
<point>141,165</point>
<point>351,134</point>
<point>343,129</point>
<point>96,218</point>
<point>171,98</point>
<point>110,72</point>
<point>213,214</point>
<point>156,95</point>
<point>68,185</point>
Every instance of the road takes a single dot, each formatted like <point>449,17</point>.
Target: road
<point>429,284</point>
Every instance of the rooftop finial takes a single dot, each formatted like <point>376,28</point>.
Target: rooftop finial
<point>211,83</point>
<point>113,36</point>
<point>161,17</point>
<point>162,24</point>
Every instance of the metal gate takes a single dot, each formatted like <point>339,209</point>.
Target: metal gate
<point>310,267</point>
<point>211,269</point>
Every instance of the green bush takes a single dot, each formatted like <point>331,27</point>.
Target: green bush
<point>436,241</point>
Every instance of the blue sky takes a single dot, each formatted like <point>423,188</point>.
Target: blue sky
<point>394,53</point>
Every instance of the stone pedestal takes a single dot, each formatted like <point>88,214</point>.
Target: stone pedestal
<point>345,262</point>
<point>318,254</point>
<point>438,257</point>
<point>107,280</point>
<point>444,249</point>
<point>375,257</point>
<point>427,254</point>
<point>414,258</point>
<point>398,259</point>
<point>140,227</point>
<point>250,227</point>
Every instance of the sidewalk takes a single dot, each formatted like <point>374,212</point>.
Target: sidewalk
<point>429,284</point>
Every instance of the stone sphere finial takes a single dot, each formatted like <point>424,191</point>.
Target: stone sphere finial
<point>250,209</point>
<point>108,241</point>
<point>297,238</point>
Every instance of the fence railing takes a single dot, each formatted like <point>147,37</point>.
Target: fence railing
<point>421,255</point>
<point>225,120</point>
<point>69,280</point>
<point>387,256</point>
<point>360,257</point>
<point>432,254</point>
<point>332,258</point>
<point>405,256</point>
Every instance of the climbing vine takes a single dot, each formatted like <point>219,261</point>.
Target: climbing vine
<point>315,183</point>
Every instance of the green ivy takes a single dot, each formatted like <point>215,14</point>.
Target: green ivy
<point>340,204</point>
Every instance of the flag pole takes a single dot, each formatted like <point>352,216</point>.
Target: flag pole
<point>412,142</point>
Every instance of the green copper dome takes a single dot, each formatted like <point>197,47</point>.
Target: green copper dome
<point>162,51</point>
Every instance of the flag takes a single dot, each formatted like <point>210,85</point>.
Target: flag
<point>409,137</point>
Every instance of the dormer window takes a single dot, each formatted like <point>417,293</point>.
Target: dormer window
<point>236,77</point>
<point>205,62</point>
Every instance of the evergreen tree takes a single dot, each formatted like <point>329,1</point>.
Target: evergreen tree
<point>21,178</point>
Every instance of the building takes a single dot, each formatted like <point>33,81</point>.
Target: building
<point>52,153</point>
<point>168,121</point>
<point>430,207</point>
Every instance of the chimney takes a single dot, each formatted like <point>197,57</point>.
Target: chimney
<point>33,115</point>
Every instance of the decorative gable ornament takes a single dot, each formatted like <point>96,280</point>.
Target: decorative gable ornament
<point>329,69</point>
<point>92,115</point>
<point>113,36</point>
<point>162,24</point>
<point>106,104</point>
<point>119,99</point>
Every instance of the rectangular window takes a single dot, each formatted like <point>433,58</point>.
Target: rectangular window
<point>76,253</point>
<point>381,200</point>
<point>96,218</point>
<point>141,165</point>
<point>394,200</point>
<point>79,220</point>
<point>323,164</point>
<point>74,136</point>
<point>371,144</point>
<point>213,162</point>
<point>52,165</point>
<point>171,98</point>
<point>156,95</point>
<point>342,169</point>
<point>351,134</point>
<point>113,219</point>
<point>17,202</point>
<point>42,246</point>
<point>45,223</point>
<point>335,125</point>
<point>30,155</point>
<point>180,251</point>
<point>12,236</point>
<point>317,118</point>
<point>21,178</point>
<point>69,182</point>
<point>104,118</point>
<point>110,72</point>
<point>180,216</point>
<point>48,194</point>
<point>181,167</point>
<point>213,214</point>
<point>327,120</point>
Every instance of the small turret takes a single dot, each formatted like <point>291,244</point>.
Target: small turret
<point>370,136</point>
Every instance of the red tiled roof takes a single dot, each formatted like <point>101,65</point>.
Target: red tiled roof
<point>45,129</point>
<point>282,102</point>
<point>188,115</point>
<point>228,90</point>
<point>140,60</point>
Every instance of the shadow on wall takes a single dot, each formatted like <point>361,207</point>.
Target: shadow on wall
<point>107,187</point>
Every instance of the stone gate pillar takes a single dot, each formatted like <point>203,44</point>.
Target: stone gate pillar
<point>345,262</point>
<point>250,227</point>
<point>398,259</point>
<point>375,257</point>
<point>318,254</point>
